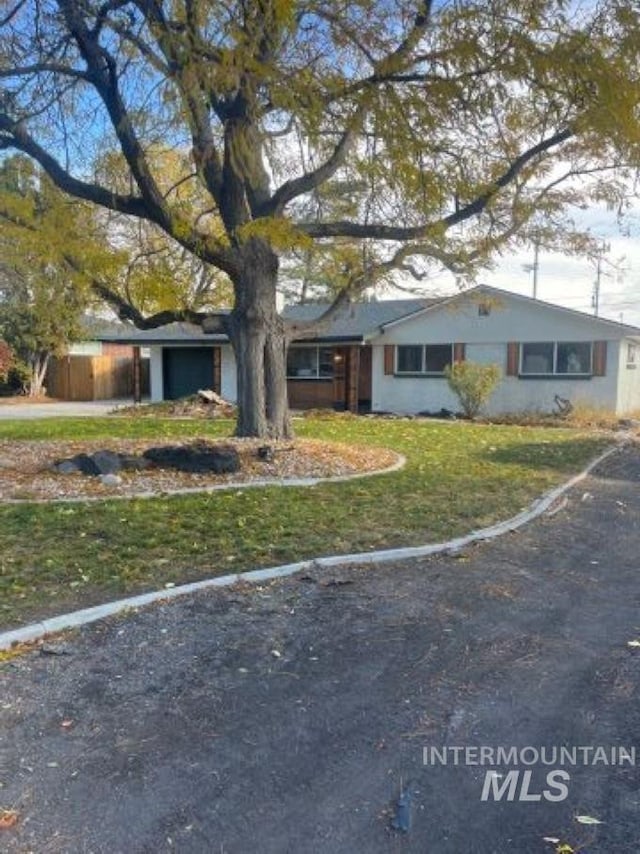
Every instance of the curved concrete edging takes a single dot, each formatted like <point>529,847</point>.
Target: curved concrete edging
<point>99,612</point>
<point>218,487</point>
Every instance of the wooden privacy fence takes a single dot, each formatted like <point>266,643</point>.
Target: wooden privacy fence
<point>94,377</point>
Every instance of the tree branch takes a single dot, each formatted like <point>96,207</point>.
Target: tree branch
<point>127,312</point>
<point>388,65</point>
<point>378,231</point>
<point>12,13</point>
<point>101,72</point>
<point>14,135</point>
<point>43,67</point>
<point>311,180</point>
<point>181,66</point>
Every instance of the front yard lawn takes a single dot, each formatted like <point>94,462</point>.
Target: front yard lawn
<point>458,477</point>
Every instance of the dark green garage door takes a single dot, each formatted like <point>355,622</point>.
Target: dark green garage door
<point>186,370</point>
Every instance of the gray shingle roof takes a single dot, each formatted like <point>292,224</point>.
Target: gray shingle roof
<point>360,319</point>
<point>355,322</point>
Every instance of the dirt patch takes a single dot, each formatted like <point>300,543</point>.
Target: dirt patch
<point>25,467</point>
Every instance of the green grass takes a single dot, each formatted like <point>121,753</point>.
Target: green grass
<point>458,477</point>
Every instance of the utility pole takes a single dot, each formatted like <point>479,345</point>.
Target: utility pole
<point>595,297</point>
<point>533,268</point>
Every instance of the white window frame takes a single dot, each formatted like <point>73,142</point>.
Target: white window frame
<point>312,377</point>
<point>632,354</point>
<point>422,372</point>
<point>554,371</point>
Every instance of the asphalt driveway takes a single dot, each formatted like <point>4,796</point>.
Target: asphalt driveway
<point>289,717</point>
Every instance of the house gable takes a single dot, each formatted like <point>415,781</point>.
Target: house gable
<point>487,315</point>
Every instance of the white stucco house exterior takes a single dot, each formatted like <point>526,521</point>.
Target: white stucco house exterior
<point>389,356</point>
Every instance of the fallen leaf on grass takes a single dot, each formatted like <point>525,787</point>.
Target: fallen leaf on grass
<point>8,818</point>
<point>587,819</point>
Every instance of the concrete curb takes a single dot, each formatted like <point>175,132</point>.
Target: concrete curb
<point>89,615</point>
<point>219,487</point>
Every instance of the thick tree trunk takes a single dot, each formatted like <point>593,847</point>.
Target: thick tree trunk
<point>275,370</point>
<point>259,344</point>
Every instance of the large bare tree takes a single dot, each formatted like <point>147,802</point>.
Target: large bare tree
<point>456,121</point>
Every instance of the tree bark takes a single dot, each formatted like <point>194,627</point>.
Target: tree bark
<point>275,365</point>
<point>39,364</point>
<point>259,344</point>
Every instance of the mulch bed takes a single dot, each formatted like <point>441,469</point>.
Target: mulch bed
<point>25,467</point>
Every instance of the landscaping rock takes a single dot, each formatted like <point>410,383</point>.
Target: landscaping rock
<point>131,462</point>
<point>86,465</point>
<point>65,467</point>
<point>80,463</point>
<point>110,479</point>
<point>108,462</point>
<point>198,458</point>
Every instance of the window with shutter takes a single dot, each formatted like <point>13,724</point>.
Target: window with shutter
<point>459,352</point>
<point>512,358</point>
<point>424,359</point>
<point>599,358</point>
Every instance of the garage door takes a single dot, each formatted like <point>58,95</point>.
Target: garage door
<point>187,369</point>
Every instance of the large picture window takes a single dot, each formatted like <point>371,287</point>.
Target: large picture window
<point>310,363</point>
<point>429,359</point>
<point>565,358</point>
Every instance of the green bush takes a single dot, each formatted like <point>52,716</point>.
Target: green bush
<point>473,384</point>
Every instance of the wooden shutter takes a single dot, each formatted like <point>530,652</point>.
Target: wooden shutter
<point>389,359</point>
<point>137,375</point>
<point>458,353</point>
<point>599,358</point>
<point>512,358</point>
<point>217,370</point>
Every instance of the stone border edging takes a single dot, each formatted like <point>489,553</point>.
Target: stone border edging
<point>218,487</point>
<point>35,631</point>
